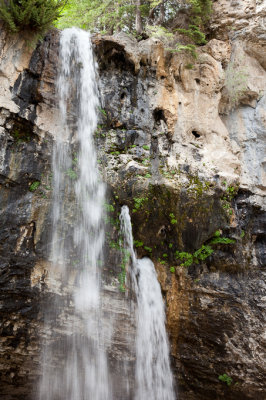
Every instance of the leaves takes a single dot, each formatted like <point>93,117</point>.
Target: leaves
<point>34,15</point>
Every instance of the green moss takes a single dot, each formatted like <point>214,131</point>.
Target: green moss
<point>34,186</point>
<point>139,202</point>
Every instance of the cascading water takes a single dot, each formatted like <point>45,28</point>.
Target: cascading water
<point>154,378</point>
<point>75,365</point>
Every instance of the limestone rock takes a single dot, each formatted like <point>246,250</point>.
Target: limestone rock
<point>188,159</point>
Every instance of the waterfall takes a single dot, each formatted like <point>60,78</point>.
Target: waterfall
<point>154,378</point>
<point>74,361</point>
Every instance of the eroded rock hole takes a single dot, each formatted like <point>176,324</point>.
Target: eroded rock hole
<point>197,81</point>
<point>158,115</point>
<point>123,95</point>
<point>195,134</point>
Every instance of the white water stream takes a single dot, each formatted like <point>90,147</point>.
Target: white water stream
<point>154,380</point>
<point>78,235</point>
<point>74,361</point>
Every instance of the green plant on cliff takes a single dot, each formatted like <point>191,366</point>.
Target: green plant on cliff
<point>188,48</point>
<point>225,378</point>
<point>195,34</point>
<point>194,258</point>
<point>221,240</point>
<point>33,15</point>
<point>34,186</point>
<point>139,202</point>
<point>123,273</point>
<point>229,194</point>
<point>173,220</point>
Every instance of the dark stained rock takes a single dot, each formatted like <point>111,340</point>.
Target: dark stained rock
<point>215,305</point>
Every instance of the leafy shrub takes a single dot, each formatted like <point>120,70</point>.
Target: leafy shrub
<point>199,255</point>
<point>32,15</point>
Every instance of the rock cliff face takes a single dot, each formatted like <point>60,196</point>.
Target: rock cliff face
<point>184,147</point>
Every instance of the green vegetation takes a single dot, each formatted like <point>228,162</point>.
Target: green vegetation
<point>194,34</point>
<point>173,219</point>
<point>21,136</point>
<point>71,174</point>
<point>123,273</point>
<point>34,186</point>
<point>145,147</point>
<point>147,175</point>
<point>109,207</point>
<point>230,193</point>
<point>221,240</point>
<point>149,249</point>
<point>103,111</point>
<point>172,269</point>
<point>200,11</point>
<point>143,18</point>
<point>225,378</point>
<point>197,187</point>
<point>190,66</point>
<point>138,203</point>
<point>199,255</point>
<point>203,252</point>
<point>138,243</point>
<point>33,15</point>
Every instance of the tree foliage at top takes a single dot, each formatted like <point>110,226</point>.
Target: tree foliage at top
<point>182,21</point>
<point>133,16</point>
<point>32,15</point>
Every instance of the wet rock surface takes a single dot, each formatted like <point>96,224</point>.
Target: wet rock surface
<point>188,163</point>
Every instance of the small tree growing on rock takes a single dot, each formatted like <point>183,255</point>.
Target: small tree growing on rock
<point>33,15</point>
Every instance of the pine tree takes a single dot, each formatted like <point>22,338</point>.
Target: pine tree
<point>33,15</point>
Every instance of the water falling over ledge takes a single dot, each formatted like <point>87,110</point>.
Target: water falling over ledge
<point>154,378</point>
<point>75,363</point>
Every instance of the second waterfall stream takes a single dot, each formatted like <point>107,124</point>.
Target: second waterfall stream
<point>154,378</point>
<point>75,355</point>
